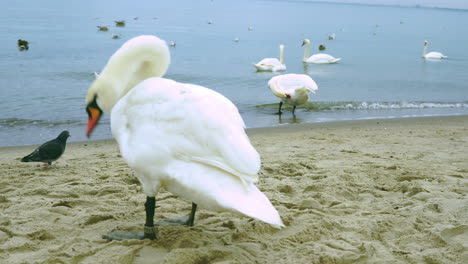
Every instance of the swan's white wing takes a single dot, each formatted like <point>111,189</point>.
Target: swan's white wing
<point>322,58</point>
<point>161,120</point>
<point>270,64</point>
<point>435,55</point>
<point>288,83</point>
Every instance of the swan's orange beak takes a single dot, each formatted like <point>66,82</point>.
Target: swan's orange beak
<point>94,114</point>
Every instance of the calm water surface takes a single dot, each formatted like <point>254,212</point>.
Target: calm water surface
<point>381,74</point>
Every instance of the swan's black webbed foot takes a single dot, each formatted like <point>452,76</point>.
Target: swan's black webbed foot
<point>187,220</point>
<point>183,220</point>
<point>149,233</point>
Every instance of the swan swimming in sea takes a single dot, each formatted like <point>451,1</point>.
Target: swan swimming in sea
<point>433,54</point>
<point>292,89</point>
<point>272,64</point>
<point>186,138</point>
<point>319,58</point>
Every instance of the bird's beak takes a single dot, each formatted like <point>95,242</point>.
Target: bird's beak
<point>94,114</point>
<point>303,43</point>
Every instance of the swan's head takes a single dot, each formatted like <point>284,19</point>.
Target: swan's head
<point>138,59</point>
<point>306,41</point>
<point>426,43</point>
<point>97,102</point>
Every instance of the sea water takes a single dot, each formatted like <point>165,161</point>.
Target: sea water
<point>381,74</point>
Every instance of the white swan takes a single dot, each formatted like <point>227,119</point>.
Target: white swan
<point>433,54</point>
<point>292,89</point>
<point>183,137</point>
<point>272,64</point>
<point>319,58</point>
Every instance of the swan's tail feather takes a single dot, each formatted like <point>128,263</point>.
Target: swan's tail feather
<point>336,60</point>
<point>218,190</point>
<point>257,205</point>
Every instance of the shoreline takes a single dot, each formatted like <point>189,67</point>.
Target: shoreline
<point>362,191</point>
<point>301,127</point>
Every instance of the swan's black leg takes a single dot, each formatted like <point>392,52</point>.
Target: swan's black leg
<point>294,110</point>
<point>149,229</point>
<point>279,109</point>
<point>192,215</point>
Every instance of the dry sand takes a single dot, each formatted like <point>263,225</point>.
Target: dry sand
<point>375,191</point>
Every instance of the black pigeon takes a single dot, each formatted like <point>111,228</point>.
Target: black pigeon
<point>49,151</point>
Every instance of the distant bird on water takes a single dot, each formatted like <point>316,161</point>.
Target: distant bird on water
<point>319,58</point>
<point>120,23</point>
<point>49,151</point>
<point>433,54</point>
<point>23,44</point>
<point>272,64</point>
<point>103,28</point>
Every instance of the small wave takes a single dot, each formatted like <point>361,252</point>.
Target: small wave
<point>395,105</point>
<point>324,106</point>
<point>16,122</point>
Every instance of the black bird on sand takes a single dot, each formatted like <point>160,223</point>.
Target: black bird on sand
<point>49,151</point>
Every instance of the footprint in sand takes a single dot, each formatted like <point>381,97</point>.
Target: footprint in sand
<point>93,219</point>
<point>456,235</point>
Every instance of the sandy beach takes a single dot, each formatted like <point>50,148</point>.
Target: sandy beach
<point>372,191</point>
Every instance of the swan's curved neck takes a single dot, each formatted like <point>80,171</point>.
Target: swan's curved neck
<point>137,60</point>
<point>306,51</point>
<point>282,54</point>
<point>425,49</point>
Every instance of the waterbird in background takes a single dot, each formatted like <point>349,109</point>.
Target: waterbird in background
<point>23,44</point>
<point>272,64</point>
<point>319,58</point>
<point>292,89</point>
<point>50,151</point>
<point>332,36</point>
<point>120,23</point>
<point>103,28</point>
<point>186,138</point>
<point>433,54</point>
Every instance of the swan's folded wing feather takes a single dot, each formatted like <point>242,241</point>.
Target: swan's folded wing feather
<point>271,62</point>
<point>165,118</point>
<point>286,84</point>
<point>219,131</point>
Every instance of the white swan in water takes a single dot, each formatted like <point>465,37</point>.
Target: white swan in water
<point>183,137</point>
<point>272,64</point>
<point>433,54</point>
<point>292,89</point>
<point>319,58</point>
